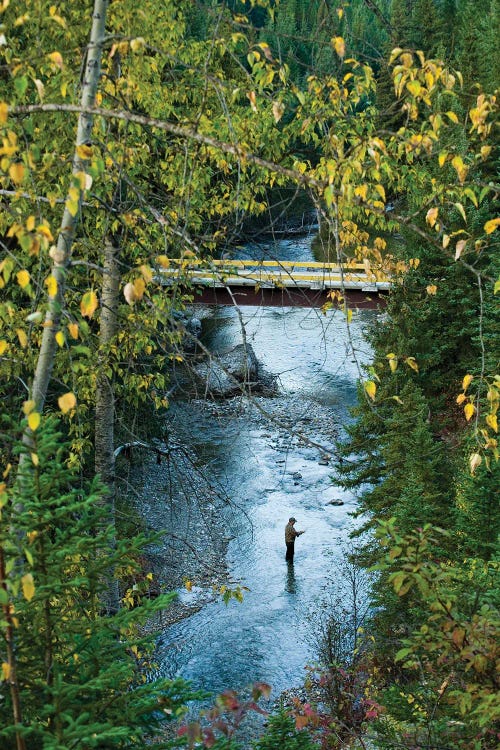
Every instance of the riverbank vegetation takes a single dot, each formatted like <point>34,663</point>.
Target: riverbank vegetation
<point>131,135</point>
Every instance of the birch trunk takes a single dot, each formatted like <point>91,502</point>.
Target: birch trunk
<point>105,404</point>
<point>61,254</point>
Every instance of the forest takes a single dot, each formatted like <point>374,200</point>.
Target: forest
<point>136,136</point>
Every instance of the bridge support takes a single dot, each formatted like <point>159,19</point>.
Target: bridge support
<point>289,297</point>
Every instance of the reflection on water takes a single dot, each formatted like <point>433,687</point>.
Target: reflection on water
<point>291,581</point>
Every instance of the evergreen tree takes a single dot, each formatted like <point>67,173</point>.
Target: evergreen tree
<point>73,678</point>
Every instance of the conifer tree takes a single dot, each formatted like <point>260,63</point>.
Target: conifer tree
<point>76,677</point>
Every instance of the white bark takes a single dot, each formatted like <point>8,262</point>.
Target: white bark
<point>62,257</point>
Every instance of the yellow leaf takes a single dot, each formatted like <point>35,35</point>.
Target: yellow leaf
<point>412,362</point>
<point>469,410</point>
<point>393,361</point>
<point>461,398</point>
<point>33,420</point>
<point>5,670</point>
<point>4,112</point>
<point>137,43</point>
<point>147,273</point>
<point>188,585</point>
<point>30,223</point>
<point>23,278</point>
<point>44,230</point>
<point>84,152</point>
<point>89,304</point>
<point>431,289</point>
<point>431,216</point>
<point>60,338</point>
<point>475,460</point>
<point>28,586</point>
<point>139,287</point>
<point>339,46</point>
<point>56,58</point>
<point>3,347</point>
<point>16,172</point>
<point>491,421</point>
<point>460,168</point>
<point>163,261</point>
<point>370,388</point>
<point>28,407</point>
<point>459,248</point>
<point>414,87</point>
<point>491,225</point>
<point>446,241</point>
<point>442,158</point>
<point>467,381</point>
<point>452,116</point>
<point>34,458</point>
<point>73,330</point>
<point>51,284</point>
<point>23,339</point>
<point>67,402</point>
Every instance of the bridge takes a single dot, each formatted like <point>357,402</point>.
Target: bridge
<point>272,282</point>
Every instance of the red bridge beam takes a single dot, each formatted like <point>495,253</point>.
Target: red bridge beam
<point>289,297</point>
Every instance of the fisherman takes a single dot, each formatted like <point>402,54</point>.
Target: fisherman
<point>290,535</point>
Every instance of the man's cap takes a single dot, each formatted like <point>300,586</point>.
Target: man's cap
<point>291,519</point>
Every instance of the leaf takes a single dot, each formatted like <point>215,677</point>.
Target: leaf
<point>23,339</point>
<point>467,381</point>
<point>28,407</point>
<point>469,410</point>
<point>459,248</point>
<point>5,670</point>
<point>491,225</point>
<point>4,112</point>
<point>442,158</point>
<point>491,421</point>
<point>431,289</point>
<point>393,361</point>
<point>339,46</point>
<point>34,458</point>
<point>51,284</point>
<point>73,330</point>
<point>452,116</point>
<point>414,87</point>
<point>3,347</point>
<point>278,111</point>
<point>475,460</point>
<point>57,59</point>
<point>60,338</point>
<point>23,278</point>
<point>461,398</point>
<point>370,388</point>
<point>431,216</point>
<point>28,586</point>
<point>412,362</point>
<point>89,304</point>
<point>66,402</point>
<point>83,151</point>
<point>16,172</point>
<point>33,420</point>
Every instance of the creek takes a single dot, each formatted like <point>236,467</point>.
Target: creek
<point>269,470</point>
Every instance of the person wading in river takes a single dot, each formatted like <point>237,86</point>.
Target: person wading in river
<point>290,536</point>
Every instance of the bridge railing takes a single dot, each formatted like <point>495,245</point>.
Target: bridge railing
<point>273,273</point>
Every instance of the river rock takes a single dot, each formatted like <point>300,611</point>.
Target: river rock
<point>335,502</point>
<point>233,372</point>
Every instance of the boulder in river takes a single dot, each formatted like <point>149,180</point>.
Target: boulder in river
<point>231,372</point>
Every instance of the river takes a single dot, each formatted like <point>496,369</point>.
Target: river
<point>269,472</point>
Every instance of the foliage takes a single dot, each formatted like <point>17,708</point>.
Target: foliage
<point>451,660</point>
<point>71,676</point>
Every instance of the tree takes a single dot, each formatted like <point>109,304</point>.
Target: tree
<point>76,676</point>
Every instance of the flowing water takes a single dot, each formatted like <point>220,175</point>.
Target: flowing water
<point>270,472</point>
